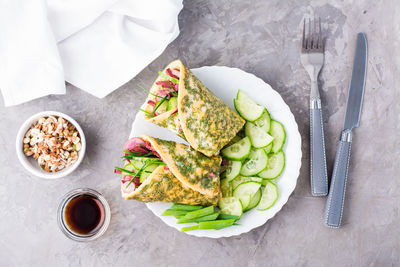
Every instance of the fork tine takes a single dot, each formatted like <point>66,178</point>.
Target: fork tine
<point>309,34</point>
<point>303,45</point>
<point>314,35</point>
<point>319,33</point>
<point>312,39</point>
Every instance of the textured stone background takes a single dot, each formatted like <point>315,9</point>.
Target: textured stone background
<point>261,37</point>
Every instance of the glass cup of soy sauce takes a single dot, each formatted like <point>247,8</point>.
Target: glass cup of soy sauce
<point>83,214</point>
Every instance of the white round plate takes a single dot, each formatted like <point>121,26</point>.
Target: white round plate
<point>225,82</point>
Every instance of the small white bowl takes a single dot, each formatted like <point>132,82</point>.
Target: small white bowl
<point>30,164</point>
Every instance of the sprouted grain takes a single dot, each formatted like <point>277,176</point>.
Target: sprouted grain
<point>54,142</point>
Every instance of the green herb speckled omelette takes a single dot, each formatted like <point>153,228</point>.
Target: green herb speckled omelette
<point>166,171</point>
<point>162,186</point>
<point>181,103</point>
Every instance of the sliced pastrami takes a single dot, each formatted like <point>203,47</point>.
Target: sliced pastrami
<point>127,179</point>
<point>172,73</point>
<point>151,103</point>
<point>136,144</point>
<point>167,87</point>
<point>164,92</point>
<point>139,145</point>
<point>176,73</point>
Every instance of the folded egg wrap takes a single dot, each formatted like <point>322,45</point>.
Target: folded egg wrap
<point>188,178</point>
<point>201,118</point>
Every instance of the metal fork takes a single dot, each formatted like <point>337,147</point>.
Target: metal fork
<point>312,58</point>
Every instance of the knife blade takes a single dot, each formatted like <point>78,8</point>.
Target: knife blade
<point>356,93</point>
<point>335,202</point>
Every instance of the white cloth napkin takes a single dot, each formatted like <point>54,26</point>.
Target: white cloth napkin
<point>96,45</point>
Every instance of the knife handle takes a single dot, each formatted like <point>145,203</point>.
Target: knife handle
<point>318,173</point>
<point>335,202</point>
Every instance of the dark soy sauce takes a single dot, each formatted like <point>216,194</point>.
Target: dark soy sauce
<point>84,214</point>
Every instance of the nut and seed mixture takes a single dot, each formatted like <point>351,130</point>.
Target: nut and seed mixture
<point>54,142</point>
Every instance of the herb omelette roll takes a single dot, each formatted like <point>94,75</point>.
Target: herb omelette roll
<point>164,171</point>
<point>162,186</point>
<point>181,103</point>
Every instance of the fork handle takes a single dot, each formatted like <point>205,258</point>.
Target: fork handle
<point>319,177</point>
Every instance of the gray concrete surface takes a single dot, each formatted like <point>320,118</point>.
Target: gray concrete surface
<point>261,37</point>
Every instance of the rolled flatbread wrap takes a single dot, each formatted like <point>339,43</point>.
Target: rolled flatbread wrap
<point>183,175</point>
<point>162,186</point>
<point>181,103</point>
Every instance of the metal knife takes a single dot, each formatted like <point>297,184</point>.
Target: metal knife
<point>335,202</point>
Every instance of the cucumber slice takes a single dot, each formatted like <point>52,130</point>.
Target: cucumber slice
<point>226,188</point>
<point>257,162</point>
<point>247,108</point>
<point>278,133</point>
<point>255,199</point>
<point>233,170</point>
<point>147,171</point>
<point>276,164</point>
<point>242,179</point>
<point>264,122</point>
<point>231,206</point>
<point>140,161</point>
<point>128,167</point>
<point>244,192</point>
<point>144,175</point>
<point>268,149</point>
<point>269,196</point>
<point>151,168</point>
<point>238,151</point>
<point>257,136</point>
<point>162,107</point>
<point>172,103</point>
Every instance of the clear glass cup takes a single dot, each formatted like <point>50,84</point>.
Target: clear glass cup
<point>61,219</point>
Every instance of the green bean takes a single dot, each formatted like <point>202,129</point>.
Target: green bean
<point>199,213</point>
<point>210,217</point>
<point>176,206</point>
<point>218,224</point>
<point>173,212</point>
<point>227,217</point>
<point>189,228</point>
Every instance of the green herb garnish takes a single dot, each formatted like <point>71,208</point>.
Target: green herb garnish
<point>145,165</point>
<point>124,170</point>
<point>137,153</point>
<point>149,114</point>
<point>174,93</point>
<point>136,174</point>
<point>152,114</point>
